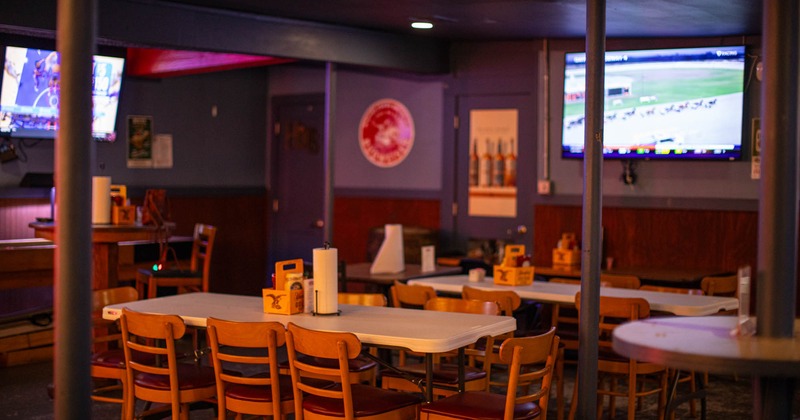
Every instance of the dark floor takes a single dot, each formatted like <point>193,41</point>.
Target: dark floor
<point>23,395</point>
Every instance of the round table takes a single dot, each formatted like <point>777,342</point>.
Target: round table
<point>706,342</point>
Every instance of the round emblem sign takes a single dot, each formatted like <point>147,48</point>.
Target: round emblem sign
<point>386,133</point>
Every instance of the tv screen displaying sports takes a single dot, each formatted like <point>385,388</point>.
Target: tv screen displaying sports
<point>683,103</point>
<point>29,94</point>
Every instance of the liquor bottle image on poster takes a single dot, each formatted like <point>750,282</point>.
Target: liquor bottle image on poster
<point>498,170</point>
<point>511,167</point>
<point>473,164</point>
<point>485,169</point>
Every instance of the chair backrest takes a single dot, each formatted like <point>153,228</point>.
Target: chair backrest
<point>621,281</point>
<point>202,247</point>
<point>575,281</point>
<point>411,296</point>
<point>720,285</point>
<point>613,312</point>
<point>102,329</point>
<point>341,346</point>
<point>364,299</point>
<point>667,289</point>
<point>140,333</point>
<point>229,340</point>
<point>508,300</point>
<point>531,363</point>
<point>471,306</point>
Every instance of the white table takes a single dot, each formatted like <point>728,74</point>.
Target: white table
<point>546,292</point>
<point>688,342</point>
<point>416,330</point>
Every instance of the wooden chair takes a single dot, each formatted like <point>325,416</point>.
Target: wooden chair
<point>365,368</point>
<point>720,285</point>
<point>195,279</point>
<point>411,297</point>
<point>445,375</point>
<point>690,377</point>
<point>508,300</point>
<point>531,362</point>
<point>109,363</point>
<point>163,381</point>
<point>338,398</point>
<point>667,289</point>
<point>613,367</point>
<point>364,299</point>
<point>249,345</point>
<point>620,281</point>
<point>564,319</point>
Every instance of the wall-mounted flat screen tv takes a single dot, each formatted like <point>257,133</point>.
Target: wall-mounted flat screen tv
<point>683,103</point>
<point>29,94</point>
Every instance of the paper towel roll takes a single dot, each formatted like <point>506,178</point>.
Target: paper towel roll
<point>101,200</point>
<point>390,258</point>
<point>326,281</point>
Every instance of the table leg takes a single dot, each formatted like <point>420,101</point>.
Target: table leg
<point>428,377</point>
<point>105,260</point>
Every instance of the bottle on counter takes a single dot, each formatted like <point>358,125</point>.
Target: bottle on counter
<point>510,178</point>
<point>498,165</point>
<point>473,164</point>
<point>485,167</point>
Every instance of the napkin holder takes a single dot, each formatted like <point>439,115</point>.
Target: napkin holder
<point>285,298</point>
<point>508,273</point>
<point>567,252</point>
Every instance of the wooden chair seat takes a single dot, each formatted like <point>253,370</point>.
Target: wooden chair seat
<point>479,405</point>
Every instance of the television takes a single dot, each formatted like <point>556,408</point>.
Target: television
<point>681,103</point>
<point>29,94</point>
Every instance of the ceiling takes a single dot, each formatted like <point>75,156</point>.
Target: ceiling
<point>473,20</point>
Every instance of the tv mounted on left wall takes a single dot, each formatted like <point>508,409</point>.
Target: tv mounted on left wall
<point>29,94</point>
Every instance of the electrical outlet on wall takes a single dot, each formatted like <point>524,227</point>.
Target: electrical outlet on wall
<point>544,187</point>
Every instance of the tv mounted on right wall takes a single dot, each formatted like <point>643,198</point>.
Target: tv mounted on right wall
<point>681,103</point>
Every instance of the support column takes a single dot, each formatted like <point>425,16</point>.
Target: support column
<point>76,26</point>
<point>592,208</point>
<point>778,208</point>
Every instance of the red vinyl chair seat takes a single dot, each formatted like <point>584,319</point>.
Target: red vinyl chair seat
<point>261,393</point>
<point>115,358</point>
<point>191,376</point>
<point>479,405</point>
<point>367,401</point>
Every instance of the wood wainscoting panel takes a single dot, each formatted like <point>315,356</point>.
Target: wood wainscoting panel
<point>353,217</point>
<point>657,238</point>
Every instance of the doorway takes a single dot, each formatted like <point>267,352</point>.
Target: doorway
<point>297,177</point>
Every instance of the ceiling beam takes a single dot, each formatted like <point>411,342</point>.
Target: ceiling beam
<point>156,24</point>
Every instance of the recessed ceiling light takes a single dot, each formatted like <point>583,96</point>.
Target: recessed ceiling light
<point>421,25</point>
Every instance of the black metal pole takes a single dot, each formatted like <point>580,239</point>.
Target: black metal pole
<point>330,113</point>
<point>592,208</point>
<point>778,208</point>
<point>76,26</point>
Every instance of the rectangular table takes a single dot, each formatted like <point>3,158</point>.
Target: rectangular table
<point>378,326</point>
<point>675,303</point>
<point>671,277</point>
<point>359,273</point>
